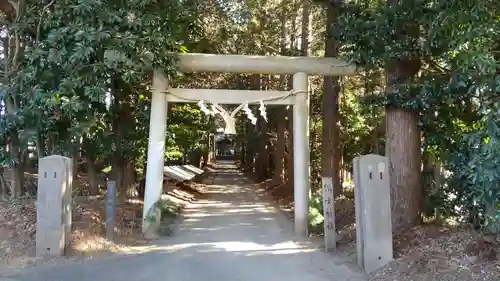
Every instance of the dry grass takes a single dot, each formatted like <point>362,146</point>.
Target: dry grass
<point>18,227</point>
<point>439,253</point>
<point>89,222</point>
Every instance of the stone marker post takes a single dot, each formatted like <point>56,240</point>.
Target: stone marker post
<point>373,211</point>
<point>329,214</point>
<point>54,198</point>
<point>110,209</point>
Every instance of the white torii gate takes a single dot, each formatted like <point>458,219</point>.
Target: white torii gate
<point>300,67</point>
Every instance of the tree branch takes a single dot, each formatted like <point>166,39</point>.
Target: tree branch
<point>7,6</point>
<point>39,27</point>
<point>434,65</point>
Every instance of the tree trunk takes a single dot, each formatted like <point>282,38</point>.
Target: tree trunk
<point>250,151</point>
<point>279,153</point>
<point>89,158</point>
<point>13,53</point>
<point>205,158</point>
<point>40,145</point>
<point>331,93</point>
<point>403,150</point>
<point>50,145</point>
<point>403,145</point>
<point>120,117</point>
<point>432,164</point>
<point>75,157</point>
<point>263,159</point>
<point>262,156</point>
<point>117,172</point>
<point>243,151</point>
<point>438,181</point>
<point>17,183</point>
<point>289,113</point>
<point>304,40</point>
<point>92,175</point>
<point>129,185</point>
<point>342,167</point>
<point>289,146</point>
<point>4,189</point>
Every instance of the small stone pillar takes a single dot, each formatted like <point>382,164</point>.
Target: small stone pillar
<point>54,198</point>
<point>373,211</point>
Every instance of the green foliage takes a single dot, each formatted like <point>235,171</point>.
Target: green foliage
<point>476,172</point>
<point>188,130</point>
<point>86,71</point>
<point>316,219</point>
<point>454,90</point>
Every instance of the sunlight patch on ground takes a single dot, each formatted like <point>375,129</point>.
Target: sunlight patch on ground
<point>251,206</point>
<point>145,249</point>
<point>246,248</point>
<point>221,228</point>
<point>95,244</point>
<point>212,204</point>
<point>237,246</point>
<point>229,212</point>
<point>253,210</point>
<point>279,252</point>
<point>228,189</point>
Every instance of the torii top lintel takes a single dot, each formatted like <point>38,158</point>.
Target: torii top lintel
<point>195,62</point>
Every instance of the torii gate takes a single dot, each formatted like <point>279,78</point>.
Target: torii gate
<point>299,67</point>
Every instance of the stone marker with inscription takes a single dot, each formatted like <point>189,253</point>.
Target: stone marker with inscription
<point>329,214</point>
<point>373,211</point>
<point>54,198</point>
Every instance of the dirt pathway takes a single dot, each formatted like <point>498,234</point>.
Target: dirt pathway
<point>232,235</point>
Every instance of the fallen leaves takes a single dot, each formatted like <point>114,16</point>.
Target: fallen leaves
<point>435,253</point>
<point>18,226</point>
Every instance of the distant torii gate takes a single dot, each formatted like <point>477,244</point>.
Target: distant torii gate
<point>300,67</point>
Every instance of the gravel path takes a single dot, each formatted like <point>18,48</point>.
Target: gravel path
<point>233,235</point>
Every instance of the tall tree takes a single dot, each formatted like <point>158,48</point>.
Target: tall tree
<point>331,98</point>
<point>280,113</point>
<point>403,144</point>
